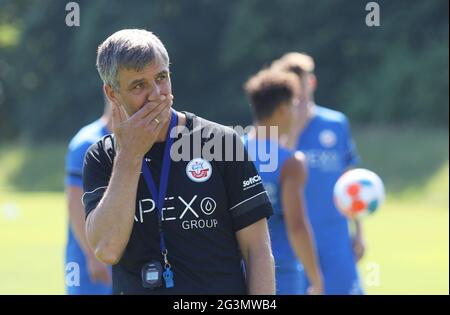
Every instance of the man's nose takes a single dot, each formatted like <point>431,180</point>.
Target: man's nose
<point>155,91</point>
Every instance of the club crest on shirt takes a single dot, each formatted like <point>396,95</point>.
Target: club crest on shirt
<point>199,170</point>
<point>327,138</point>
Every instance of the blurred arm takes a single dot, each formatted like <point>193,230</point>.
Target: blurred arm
<point>76,217</point>
<point>293,178</point>
<point>97,270</point>
<point>359,246</point>
<point>358,243</point>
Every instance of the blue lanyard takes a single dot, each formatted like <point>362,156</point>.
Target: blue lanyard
<point>159,197</point>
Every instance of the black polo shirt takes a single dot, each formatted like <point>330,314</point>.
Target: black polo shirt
<point>206,203</point>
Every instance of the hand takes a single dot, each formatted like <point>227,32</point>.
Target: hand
<point>137,134</point>
<point>359,247</point>
<point>315,290</point>
<point>98,271</point>
<point>316,287</point>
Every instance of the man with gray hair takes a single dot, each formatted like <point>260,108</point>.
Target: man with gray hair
<point>184,227</point>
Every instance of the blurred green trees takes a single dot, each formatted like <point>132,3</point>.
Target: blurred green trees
<point>395,73</point>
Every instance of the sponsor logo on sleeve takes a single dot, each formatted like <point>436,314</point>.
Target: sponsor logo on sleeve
<point>251,182</point>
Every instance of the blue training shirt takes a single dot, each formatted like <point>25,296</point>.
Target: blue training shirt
<point>78,146</point>
<point>285,258</point>
<point>329,148</point>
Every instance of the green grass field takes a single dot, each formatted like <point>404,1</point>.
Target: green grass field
<point>407,239</point>
<point>33,234</point>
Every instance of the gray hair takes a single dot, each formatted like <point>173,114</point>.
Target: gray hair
<point>130,49</point>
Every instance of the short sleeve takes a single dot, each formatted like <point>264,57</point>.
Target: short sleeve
<point>247,197</point>
<point>96,174</point>
<point>351,157</point>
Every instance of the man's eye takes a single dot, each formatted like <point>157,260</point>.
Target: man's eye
<point>139,86</point>
<point>162,77</point>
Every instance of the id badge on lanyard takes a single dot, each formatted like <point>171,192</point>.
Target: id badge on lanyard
<point>152,272</point>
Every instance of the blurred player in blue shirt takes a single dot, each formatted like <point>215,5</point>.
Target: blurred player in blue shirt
<point>272,95</point>
<point>323,135</point>
<point>94,276</point>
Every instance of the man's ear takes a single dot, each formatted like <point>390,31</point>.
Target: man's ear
<point>313,82</point>
<point>111,94</point>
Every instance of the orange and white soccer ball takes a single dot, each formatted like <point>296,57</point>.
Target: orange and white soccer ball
<point>358,192</point>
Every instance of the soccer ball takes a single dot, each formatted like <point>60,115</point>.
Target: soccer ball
<point>358,192</point>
